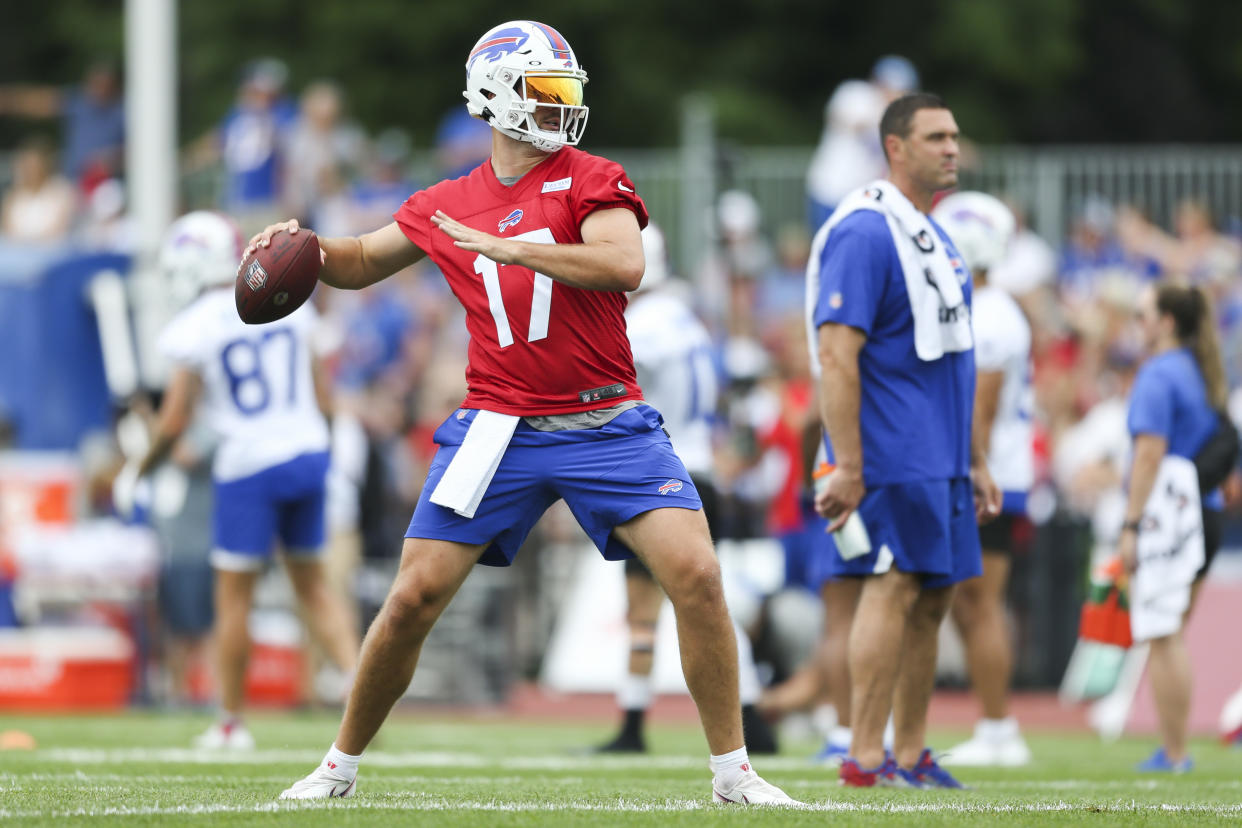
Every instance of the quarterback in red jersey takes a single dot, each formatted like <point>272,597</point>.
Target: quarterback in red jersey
<point>539,244</point>
<point>535,342</point>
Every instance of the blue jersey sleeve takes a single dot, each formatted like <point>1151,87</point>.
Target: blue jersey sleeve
<point>853,267</point>
<point>1151,405</point>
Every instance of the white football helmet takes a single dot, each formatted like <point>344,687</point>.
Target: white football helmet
<point>656,256</point>
<point>980,226</point>
<point>201,249</point>
<point>518,68</point>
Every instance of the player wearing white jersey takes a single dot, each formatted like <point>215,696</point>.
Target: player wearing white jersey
<point>981,227</point>
<point>675,368</point>
<point>258,387</point>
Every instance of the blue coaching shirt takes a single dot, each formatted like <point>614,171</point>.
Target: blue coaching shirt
<point>914,415</point>
<point>1169,398</point>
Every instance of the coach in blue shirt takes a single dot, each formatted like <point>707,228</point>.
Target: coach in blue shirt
<point>898,420</point>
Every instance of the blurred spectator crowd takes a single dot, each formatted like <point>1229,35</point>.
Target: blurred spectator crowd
<point>396,351</point>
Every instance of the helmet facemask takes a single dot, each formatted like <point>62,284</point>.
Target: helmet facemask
<point>517,95</point>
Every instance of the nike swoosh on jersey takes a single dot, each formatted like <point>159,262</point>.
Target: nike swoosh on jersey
<point>621,186</point>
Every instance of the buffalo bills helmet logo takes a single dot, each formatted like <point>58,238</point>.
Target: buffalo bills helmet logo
<point>509,220</point>
<point>497,44</point>
<point>671,486</point>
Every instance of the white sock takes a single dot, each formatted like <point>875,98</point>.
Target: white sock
<point>841,736</point>
<point>342,763</point>
<point>634,693</point>
<point>728,768</point>
<point>998,730</point>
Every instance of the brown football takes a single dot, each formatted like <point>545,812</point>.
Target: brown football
<point>275,280</point>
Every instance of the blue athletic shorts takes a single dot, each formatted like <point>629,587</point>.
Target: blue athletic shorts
<point>926,527</point>
<point>185,596</point>
<point>606,475</point>
<point>284,501</point>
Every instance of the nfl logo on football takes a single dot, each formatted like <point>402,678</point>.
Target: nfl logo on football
<point>256,276</point>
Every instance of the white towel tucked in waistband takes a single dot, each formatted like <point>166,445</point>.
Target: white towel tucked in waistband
<point>470,472</point>
<point>941,318</point>
<point>1170,551</point>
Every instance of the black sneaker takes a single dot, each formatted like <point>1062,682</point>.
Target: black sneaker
<point>759,736</point>
<point>630,739</point>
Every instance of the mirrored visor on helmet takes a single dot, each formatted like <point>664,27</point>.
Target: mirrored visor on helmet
<point>554,89</point>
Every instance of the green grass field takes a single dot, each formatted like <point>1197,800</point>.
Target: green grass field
<point>435,770</point>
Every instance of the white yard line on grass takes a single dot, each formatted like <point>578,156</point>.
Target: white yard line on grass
<point>18,780</point>
<point>10,781</point>
<point>424,803</point>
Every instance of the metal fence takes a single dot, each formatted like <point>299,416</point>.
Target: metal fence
<point>1050,183</point>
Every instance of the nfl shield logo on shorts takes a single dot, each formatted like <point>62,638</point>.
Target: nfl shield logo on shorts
<point>671,486</point>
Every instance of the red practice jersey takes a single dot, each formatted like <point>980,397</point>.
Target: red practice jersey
<point>537,346</point>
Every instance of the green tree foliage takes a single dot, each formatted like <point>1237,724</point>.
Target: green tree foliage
<point>1014,70</point>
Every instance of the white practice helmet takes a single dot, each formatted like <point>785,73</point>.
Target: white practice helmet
<point>201,250</point>
<point>980,226</point>
<point>521,65</point>
<point>655,255</point>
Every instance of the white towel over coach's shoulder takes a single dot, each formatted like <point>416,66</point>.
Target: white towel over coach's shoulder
<point>941,318</point>
<point>1170,551</point>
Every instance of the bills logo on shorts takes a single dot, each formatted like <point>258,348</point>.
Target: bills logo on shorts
<point>509,220</point>
<point>671,486</point>
<point>256,276</point>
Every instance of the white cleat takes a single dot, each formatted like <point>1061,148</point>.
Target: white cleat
<point>225,736</point>
<point>323,783</point>
<point>751,789</point>
<point>1001,747</point>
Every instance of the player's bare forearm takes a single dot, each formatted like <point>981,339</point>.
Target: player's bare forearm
<point>987,399</point>
<point>176,411</point>
<point>1149,450</point>
<point>161,445</point>
<point>323,389</point>
<point>355,262</point>
<point>610,257</point>
<point>597,265</point>
<point>840,392</point>
<point>352,262</point>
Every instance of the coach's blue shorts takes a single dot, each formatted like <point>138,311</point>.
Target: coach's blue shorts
<point>926,527</point>
<point>606,475</point>
<point>284,501</point>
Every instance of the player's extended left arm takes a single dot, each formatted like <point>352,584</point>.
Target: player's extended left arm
<point>609,258</point>
<point>176,411</point>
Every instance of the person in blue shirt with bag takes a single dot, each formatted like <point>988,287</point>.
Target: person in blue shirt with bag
<point>1183,448</point>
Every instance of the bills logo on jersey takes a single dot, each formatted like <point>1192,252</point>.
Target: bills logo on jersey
<point>497,44</point>
<point>671,486</point>
<point>509,221</point>
<point>256,276</point>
